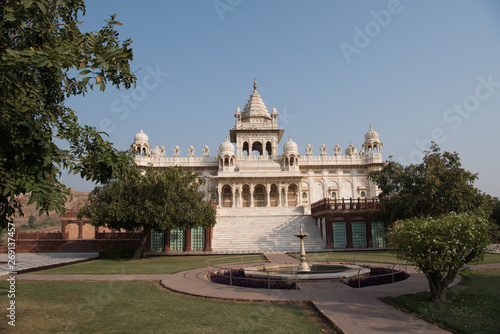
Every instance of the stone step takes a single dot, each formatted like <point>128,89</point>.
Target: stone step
<point>75,246</point>
<point>260,233</point>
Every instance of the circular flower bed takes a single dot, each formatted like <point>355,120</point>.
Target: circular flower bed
<point>236,277</point>
<point>377,276</point>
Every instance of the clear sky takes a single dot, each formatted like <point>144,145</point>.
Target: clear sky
<point>415,70</point>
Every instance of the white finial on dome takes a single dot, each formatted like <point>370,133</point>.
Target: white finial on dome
<point>156,151</point>
<point>372,142</point>
<point>371,134</point>
<point>141,137</point>
<point>226,148</point>
<point>290,147</point>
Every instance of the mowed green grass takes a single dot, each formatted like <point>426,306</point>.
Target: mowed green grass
<point>372,257</point>
<point>150,265</point>
<point>141,307</point>
<point>175,264</point>
<point>473,307</point>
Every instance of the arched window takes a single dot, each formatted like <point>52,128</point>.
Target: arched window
<point>333,194</point>
<point>363,194</point>
<point>259,196</point>
<point>257,147</point>
<point>227,197</point>
<point>274,196</point>
<point>292,195</point>
<point>304,195</point>
<point>268,148</point>
<point>245,195</point>
<point>245,148</point>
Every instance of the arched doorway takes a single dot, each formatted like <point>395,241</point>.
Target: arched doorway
<point>227,197</point>
<point>259,196</point>
<point>245,196</point>
<point>273,196</point>
<point>292,195</point>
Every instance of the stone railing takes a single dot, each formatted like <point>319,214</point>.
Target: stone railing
<point>345,204</point>
<point>259,125</point>
<point>172,161</point>
<point>340,159</point>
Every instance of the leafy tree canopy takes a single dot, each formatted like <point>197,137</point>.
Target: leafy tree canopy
<point>442,246</point>
<point>45,59</point>
<point>154,199</point>
<point>437,185</point>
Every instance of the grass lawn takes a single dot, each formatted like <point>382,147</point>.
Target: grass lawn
<point>371,257</point>
<point>150,265</point>
<point>143,307</point>
<point>473,307</point>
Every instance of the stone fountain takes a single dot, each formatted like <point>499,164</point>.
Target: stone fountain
<point>302,272</point>
<point>303,266</point>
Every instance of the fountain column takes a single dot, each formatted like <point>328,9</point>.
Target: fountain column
<point>303,266</point>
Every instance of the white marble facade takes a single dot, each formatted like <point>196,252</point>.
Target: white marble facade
<point>249,171</point>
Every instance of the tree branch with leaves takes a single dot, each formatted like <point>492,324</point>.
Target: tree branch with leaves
<point>45,58</point>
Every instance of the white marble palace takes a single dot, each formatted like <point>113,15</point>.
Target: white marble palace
<point>250,177</point>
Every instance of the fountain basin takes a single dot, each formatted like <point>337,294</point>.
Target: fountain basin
<point>316,272</point>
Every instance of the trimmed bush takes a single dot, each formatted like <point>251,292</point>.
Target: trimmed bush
<point>118,253</point>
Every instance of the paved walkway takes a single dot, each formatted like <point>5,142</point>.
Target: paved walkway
<point>27,261</point>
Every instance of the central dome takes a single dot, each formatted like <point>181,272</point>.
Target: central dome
<point>255,107</point>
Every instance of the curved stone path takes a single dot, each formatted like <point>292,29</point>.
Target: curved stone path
<point>351,310</point>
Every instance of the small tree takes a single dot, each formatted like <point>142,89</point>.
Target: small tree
<point>441,247</point>
<point>31,221</point>
<point>156,199</point>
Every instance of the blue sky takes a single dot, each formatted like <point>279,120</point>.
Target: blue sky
<point>415,70</point>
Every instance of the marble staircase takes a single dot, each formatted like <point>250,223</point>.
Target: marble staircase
<point>250,230</point>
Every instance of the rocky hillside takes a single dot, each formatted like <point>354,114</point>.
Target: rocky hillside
<point>45,222</point>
